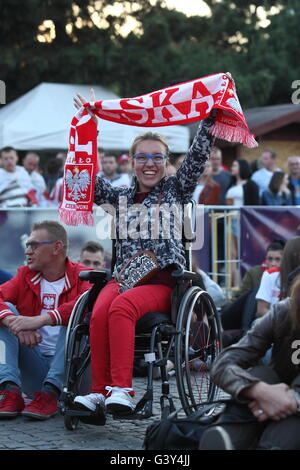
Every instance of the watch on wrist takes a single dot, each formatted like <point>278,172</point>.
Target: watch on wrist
<point>297,398</point>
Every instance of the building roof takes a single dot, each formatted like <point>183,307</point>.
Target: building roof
<point>269,118</point>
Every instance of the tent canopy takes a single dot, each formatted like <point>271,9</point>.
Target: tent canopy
<point>40,120</point>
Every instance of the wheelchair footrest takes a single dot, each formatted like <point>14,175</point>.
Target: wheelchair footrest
<point>86,416</point>
<point>132,416</point>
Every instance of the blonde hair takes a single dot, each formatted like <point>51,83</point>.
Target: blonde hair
<point>148,136</point>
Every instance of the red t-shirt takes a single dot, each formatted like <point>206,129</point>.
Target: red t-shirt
<point>163,276</point>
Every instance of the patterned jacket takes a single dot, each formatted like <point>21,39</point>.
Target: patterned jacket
<point>134,223</point>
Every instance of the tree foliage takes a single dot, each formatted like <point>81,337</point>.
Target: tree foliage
<point>84,43</point>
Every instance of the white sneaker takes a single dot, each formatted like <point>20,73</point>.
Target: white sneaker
<point>119,400</point>
<point>91,401</point>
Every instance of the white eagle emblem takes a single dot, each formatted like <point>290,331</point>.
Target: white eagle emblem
<point>77,183</point>
<point>48,302</point>
<point>233,102</point>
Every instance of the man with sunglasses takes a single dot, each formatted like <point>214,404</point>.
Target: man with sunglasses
<point>35,306</point>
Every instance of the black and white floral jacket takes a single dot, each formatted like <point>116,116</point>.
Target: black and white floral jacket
<point>135,222</point>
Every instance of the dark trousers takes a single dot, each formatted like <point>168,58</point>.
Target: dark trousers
<point>247,433</point>
<point>240,313</point>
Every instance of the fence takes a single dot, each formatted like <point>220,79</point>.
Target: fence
<point>234,238</point>
<point>240,236</point>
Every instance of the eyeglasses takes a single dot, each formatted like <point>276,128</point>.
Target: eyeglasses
<point>34,245</point>
<point>142,158</point>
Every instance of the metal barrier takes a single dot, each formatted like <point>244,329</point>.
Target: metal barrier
<point>225,230</point>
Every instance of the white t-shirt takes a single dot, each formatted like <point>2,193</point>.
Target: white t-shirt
<point>269,289</point>
<point>38,183</point>
<point>237,194</point>
<point>262,178</point>
<point>50,292</point>
<point>122,180</point>
<point>14,186</point>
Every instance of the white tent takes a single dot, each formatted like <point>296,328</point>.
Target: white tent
<point>40,120</point>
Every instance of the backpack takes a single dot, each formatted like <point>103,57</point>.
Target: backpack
<point>173,433</point>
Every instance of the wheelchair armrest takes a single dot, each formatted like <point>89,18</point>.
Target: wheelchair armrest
<point>94,276</point>
<point>181,274</point>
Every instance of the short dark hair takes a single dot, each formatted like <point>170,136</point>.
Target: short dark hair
<point>276,245</point>
<point>7,149</point>
<point>92,247</point>
<point>55,230</point>
<point>271,152</point>
<point>110,155</point>
<point>173,158</point>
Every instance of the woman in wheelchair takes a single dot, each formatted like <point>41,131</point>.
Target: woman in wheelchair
<point>142,278</point>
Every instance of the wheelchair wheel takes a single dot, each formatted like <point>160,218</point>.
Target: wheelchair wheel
<point>196,347</point>
<point>71,422</point>
<point>77,351</point>
<point>77,359</point>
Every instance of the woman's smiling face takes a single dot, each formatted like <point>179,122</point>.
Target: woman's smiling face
<point>149,174</point>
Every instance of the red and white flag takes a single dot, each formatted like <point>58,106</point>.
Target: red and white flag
<point>178,104</point>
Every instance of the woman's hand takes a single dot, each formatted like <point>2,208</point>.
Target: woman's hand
<point>271,401</point>
<point>80,100</point>
<point>228,75</point>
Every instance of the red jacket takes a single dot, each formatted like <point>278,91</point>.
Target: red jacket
<point>23,291</point>
<point>210,194</point>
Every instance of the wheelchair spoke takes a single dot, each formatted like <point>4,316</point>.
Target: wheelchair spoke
<point>197,346</point>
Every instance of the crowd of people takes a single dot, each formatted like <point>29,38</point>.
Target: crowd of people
<point>247,183</point>
<point>31,184</point>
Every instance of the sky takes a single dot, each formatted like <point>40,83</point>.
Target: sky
<point>189,7</point>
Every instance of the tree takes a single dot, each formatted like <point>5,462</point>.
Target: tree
<point>81,41</point>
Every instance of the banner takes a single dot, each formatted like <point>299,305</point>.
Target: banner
<point>260,226</point>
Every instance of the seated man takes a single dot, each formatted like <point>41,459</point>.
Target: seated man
<point>274,283</point>
<point>253,276</point>
<point>32,332</point>
<point>241,312</point>
<point>92,255</point>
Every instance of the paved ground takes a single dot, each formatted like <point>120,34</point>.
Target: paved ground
<point>24,434</point>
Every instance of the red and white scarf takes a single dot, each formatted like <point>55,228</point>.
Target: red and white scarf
<point>178,104</point>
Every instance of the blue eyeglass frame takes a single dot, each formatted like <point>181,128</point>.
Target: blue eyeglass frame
<point>36,244</point>
<point>148,155</point>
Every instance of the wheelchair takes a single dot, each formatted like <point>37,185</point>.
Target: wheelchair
<point>190,336</point>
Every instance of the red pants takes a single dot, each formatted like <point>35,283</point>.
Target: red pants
<point>112,331</point>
